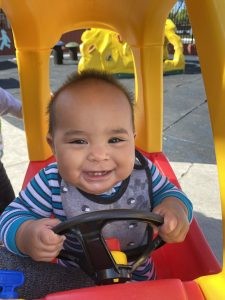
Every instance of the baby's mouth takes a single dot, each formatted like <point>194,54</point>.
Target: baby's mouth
<point>95,175</point>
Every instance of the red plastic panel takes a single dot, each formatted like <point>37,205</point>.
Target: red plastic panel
<point>34,167</point>
<point>167,289</point>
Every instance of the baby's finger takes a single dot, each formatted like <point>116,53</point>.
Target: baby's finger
<point>170,224</point>
<point>47,255</point>
<point>48,237</point>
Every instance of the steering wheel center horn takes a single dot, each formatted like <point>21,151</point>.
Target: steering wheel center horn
<point>104,263</point>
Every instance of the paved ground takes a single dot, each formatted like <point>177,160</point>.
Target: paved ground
<point>187,139</point>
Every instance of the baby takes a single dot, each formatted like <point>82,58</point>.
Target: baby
<point>92,136</point>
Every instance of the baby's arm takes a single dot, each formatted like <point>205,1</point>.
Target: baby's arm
<point>176,223</point>
<point>25,225</point>
<point>36,239</point>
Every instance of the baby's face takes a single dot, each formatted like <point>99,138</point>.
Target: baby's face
<point>93,138</point>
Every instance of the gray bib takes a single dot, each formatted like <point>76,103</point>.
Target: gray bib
<point>134,193</point>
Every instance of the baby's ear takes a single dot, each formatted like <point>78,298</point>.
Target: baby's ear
<point>49,139</point>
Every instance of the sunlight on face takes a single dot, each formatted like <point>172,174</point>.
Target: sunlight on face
<point>93,138</point>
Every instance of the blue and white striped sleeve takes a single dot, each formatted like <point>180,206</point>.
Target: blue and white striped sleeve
<point>163,188</point>
<point>34,202</point>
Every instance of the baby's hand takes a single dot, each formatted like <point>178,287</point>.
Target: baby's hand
<point>176,224</point>
<point>36,239</point>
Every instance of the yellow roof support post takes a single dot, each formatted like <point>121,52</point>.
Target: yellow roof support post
<point>33,40</point>
<point>209,32</point>
<point>149,125</point>
<point>148,59</point>
<point>33,66</point>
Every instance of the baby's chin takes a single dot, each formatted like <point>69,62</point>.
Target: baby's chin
<point>95,192</point>
<point>98,191</point>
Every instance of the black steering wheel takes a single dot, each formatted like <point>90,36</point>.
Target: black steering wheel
<point>96,259</point>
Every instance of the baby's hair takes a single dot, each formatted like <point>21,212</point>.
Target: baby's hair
<point>76,78</point>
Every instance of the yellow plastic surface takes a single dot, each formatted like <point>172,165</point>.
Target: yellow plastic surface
<point>38,25</point>
<point>119,257</point>
<point>210,44</point>
<point>212,286</point>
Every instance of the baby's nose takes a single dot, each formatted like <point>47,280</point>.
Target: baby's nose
<point>98,153</point>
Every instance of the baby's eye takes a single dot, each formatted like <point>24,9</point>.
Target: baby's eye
<point>78,141</point>
<point>115,140</point>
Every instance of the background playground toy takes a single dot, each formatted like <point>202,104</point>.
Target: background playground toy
<point>177,63</point>
<point>104,49</point>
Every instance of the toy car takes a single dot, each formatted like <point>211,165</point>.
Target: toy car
<point>192,271</point>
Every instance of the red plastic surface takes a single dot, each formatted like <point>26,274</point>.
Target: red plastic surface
<point>167,289</point>
<point>34,167</point>
<point>113,244</point>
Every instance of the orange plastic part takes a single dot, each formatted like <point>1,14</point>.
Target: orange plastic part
<point>113,244</point>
